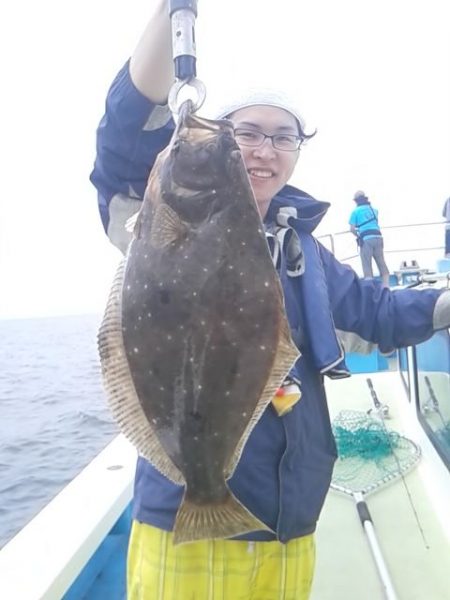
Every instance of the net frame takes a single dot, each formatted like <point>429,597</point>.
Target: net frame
<point>357,474</point>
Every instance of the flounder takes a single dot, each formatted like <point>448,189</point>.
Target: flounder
<point>194,341</point>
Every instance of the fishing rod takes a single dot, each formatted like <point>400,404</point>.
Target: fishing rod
<point>366,463</point>
<point>380,411</point>
<point>434,401</point>
<point>431,278</point>
<point>363,510</point>
<point>182,16</point>
<point>367,523</point>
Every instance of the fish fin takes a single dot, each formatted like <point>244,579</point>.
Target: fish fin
<point>285,356</point>
<point>130,223</point>
<point>211,521</point>
<point>120,391</point>
<point>167,227</point>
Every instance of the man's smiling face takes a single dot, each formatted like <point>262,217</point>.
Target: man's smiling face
<point>269,169</point>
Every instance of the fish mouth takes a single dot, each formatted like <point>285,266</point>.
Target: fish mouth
<point>199,130</point>
<point>191,121</point>
<point>215,137</point>
<point>204,154</point>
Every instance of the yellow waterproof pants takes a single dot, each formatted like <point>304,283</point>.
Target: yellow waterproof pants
<point>217,569</point>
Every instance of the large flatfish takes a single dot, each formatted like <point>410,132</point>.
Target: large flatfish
<point>194,342</point>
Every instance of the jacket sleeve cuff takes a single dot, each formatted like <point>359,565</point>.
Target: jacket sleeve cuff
<point>441,313</point>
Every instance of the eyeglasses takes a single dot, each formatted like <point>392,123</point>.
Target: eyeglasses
<point>280,141</point>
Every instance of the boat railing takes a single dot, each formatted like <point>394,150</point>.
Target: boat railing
<point>404,242</point>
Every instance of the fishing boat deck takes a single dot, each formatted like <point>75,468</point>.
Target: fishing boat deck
<point>56,545</point>
<point>418,564</point>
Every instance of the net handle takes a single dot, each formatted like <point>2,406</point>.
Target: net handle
<point>367,523</point>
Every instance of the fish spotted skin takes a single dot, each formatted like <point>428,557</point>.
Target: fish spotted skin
<point>195,341</point>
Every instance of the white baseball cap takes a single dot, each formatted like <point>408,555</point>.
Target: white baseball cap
<point>259,96</point>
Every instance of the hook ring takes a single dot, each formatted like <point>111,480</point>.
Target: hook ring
<point>194,83</point>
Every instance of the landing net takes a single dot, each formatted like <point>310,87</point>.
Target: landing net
<point>369,455</point>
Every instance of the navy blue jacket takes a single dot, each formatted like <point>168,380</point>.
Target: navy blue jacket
<point>285,469</point>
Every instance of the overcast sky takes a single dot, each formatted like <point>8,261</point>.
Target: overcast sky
<point>372,77</point>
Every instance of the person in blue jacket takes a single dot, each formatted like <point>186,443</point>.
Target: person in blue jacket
<point>285,469</point>
<point>364,225</point>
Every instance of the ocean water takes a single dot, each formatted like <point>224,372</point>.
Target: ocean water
<point>54,418</point>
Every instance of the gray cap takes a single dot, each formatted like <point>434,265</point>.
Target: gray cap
<point>359,194</point>
<point>259,96</point>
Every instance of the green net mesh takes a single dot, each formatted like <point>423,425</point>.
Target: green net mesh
<point>370,441</point>
<point>369,455</point>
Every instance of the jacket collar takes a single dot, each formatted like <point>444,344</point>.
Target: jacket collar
<point>309,210</point>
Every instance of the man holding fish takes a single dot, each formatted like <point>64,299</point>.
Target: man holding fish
<point>222,322</point>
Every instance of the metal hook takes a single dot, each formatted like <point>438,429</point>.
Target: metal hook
<point>196,84</point>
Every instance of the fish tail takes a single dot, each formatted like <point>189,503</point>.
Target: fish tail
<point>210,521</point>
